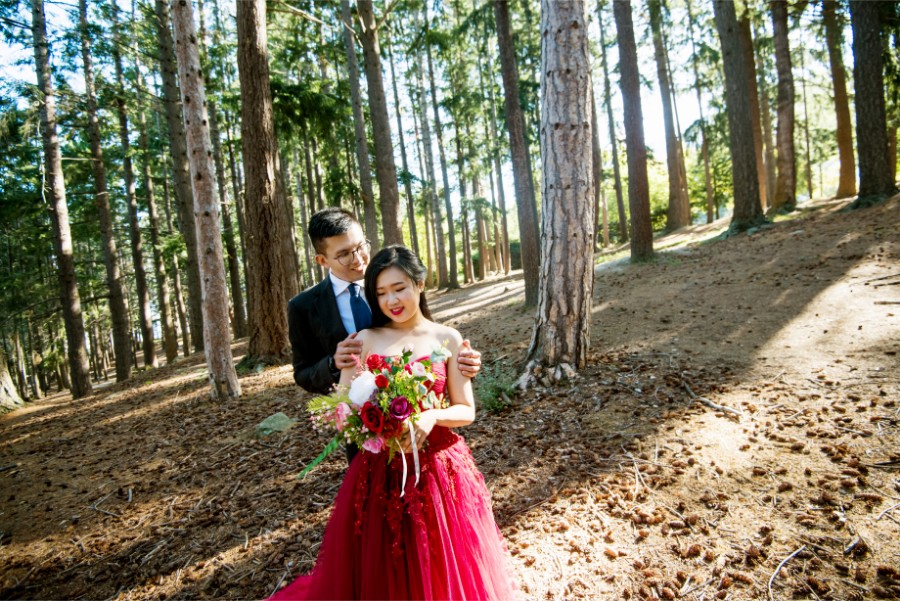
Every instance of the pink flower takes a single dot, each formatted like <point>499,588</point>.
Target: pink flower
<point>341,413</point>
<point>374,445</point>
<point>417,369</point>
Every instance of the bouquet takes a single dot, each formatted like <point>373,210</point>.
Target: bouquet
<point>382,404</point>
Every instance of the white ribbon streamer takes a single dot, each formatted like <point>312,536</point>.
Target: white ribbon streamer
<point>415,453</point>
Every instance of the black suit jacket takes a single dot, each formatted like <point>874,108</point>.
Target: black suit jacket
<point>315,329</point>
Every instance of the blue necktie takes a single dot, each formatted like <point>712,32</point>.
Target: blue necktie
<point>362,314</point>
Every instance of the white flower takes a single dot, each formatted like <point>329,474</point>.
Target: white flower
<point>362,388</point>
<point>417,369</point>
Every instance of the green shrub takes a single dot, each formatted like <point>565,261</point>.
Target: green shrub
<point>495,386</point>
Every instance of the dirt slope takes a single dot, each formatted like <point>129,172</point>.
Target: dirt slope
<point>735,435</point>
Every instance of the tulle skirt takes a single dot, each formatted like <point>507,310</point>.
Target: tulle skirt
<point>438,541</point>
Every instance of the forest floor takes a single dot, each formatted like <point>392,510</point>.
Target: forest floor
<point>735,435</point>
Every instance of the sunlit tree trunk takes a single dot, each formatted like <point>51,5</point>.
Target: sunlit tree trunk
<point>747,208</point>
<point>452,276</point>
<point>745,37</point>
<point>597,171</point>
<point>267,282</point>
<point>224,383</point>
<point>529,230</point>
<point>607,100</point>
<point>385,170</point>
<point>9,396</point>
<point>636,151</point>
<point>54,192</point>
<point>561,335</point>
<point>786,183</point>
<point>407,180</point>
<point>181,169</point>
<point>359,129</point>
<point>118,307</point>
<point>844,133</point>
<point>765,112</point>
<point>678,214</point>
<point>495,157</point>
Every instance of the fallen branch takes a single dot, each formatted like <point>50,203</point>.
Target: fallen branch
<point>778,569</point>
<point>709,403</point>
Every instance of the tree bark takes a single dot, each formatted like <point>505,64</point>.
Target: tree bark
<point>785,198</point>
<point>495,157</point>
<point>9,396</point>
<point>875,180</point>
<point>844,134</point>
<point>134,229</point>
<point>607,100</point>
<point>747,208</point>
<point>265,220</point>
<point>54,192</point>
<point>529,231</point>
<point>745,37</point>
<point>385,170</point>
<point>359,129</point>
<point>765,113</point>
<point>118,308</point>
<point>181,170</point>
<point>561,335</point>
<point>407,180</point>
<point>440,256</point>
<point>636,150</point>
<point>678,214</point>
<point>223,380</point>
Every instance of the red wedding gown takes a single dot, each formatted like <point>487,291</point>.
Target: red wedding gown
<point>439,541</point>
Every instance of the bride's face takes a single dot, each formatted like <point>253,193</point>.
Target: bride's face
<point>398,296</point>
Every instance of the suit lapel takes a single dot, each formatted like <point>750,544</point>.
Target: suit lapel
<point>328,315</point>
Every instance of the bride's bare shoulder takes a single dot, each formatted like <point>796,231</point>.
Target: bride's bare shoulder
<point>448,336</point>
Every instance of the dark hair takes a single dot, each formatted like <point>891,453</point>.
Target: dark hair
<point>329,222</point>
<point>404,259</point>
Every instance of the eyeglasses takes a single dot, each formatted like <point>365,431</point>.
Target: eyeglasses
<point>346,257</point>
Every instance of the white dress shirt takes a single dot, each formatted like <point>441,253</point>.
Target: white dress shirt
<point>342,294</point>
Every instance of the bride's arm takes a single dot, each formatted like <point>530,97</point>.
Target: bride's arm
<point>461,411</point>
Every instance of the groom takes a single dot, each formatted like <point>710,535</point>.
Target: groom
<point>323,320</point>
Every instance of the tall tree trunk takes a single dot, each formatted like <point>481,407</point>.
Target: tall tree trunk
<point>359,129</point>
<point>9,396</point>
<point>407,179</point>
<point>440,255</point>
<point>495,157</point>
<point>464,213</point>
<point>786,185</point>
<point>809,183</point>
<point>529,231</point>
<point>765,112</point>
<point>177,292</point>
<point>704,142</point>
<point>745,37</point>
<point>385,170</point>
<point>597,171</point>
<point>875,180</point>
<point>303,219</point>
<point>223,380</point>
<point>607,100</point>
<point>747,208</point>
<point>266,278</point>
<point>53,191</point>
<point>678,214</point>
<point>163,298</point>
<point>833,40</point>
<point>561,335</point>
<point>181,169</point>
<point>234,272</point>
<point>137,250</point>
<point>636,150</point>
<point>118,308</point>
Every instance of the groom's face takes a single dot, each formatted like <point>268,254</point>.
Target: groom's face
<point>347,254</point>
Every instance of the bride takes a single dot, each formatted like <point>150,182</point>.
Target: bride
<point>388,537</point>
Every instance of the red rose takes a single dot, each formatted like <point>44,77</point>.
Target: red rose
<point>392,428</point>
<point>381,381</point>
<point>374,362</point>
<point>372,417</point>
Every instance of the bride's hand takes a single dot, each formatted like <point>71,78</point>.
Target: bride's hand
<point>423,427</point>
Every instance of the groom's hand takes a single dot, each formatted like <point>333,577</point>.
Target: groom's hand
<point>468,360</point>
<point>347,352</point>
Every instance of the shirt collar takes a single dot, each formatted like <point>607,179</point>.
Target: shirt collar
<point>339,285</point>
